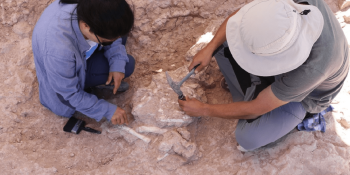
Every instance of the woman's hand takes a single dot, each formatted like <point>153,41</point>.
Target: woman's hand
<point>119,117</point>
<point>117,77</point>
<point>203,58</point>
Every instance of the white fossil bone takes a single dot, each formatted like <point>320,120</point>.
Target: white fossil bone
<point>151,129</point>
<point>163,157</point>
<point>134,133</point>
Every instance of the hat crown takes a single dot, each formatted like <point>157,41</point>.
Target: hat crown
<point>269,27</point>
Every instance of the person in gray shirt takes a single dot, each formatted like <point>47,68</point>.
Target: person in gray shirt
<point>282,60</point>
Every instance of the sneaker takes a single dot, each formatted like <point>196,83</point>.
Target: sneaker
<point>124,86</point>
<point>224,85</point>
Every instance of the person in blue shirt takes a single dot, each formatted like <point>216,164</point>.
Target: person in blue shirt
<point>78,44</point>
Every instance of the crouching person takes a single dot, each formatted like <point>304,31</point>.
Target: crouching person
<point>282,60</point>
<point>79,44</point>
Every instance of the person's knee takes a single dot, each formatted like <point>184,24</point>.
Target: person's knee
<point>130,66</point>
<point>247,141</point>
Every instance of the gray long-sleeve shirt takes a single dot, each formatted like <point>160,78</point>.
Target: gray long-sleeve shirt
<point>59,50</point>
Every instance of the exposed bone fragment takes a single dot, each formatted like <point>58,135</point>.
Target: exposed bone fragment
<point>173,120</point>
<point>184,133</point>
<point>132,132</point>
<point>174,143</point>
<point>163,157</point>
<point>151,129</point>
<point>157,105</point>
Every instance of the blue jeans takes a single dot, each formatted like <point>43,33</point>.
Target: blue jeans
<point>268,127</point>
<point>98,68</point>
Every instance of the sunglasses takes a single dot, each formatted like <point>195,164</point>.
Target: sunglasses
<point>104,43</point>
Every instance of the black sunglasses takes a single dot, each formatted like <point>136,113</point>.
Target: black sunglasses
<point>104,43</point>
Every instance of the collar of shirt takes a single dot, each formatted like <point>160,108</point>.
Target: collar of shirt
<point>83,45</point>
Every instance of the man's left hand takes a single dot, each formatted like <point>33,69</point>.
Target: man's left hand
<point>117,77</point>
<point>193,107</point>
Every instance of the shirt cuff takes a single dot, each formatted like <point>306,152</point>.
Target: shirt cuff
<point>111,110</point>
<point>118,66</point>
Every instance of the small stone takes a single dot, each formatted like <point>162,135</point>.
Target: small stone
<point>34,150</point>
<point>344,123</point>
<point>55,170</point>
<point>22,28</point>
<point>72,154</point>
<point>184,133</point>
<point>344,4</point>
<point>335,102</point>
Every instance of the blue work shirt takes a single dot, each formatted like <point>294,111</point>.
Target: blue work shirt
<point>59,50</point>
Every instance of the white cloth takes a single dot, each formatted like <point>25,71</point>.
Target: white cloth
<point>93,47</point>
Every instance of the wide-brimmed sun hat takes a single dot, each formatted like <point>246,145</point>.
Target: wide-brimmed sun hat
<point>271,37</point>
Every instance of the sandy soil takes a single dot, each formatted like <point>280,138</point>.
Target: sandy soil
<point>32,140</point>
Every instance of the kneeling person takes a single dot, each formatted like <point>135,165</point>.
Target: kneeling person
<point>78,44</point>
<point>283,59</point>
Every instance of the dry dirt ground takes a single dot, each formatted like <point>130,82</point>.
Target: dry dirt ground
<point>32,140</point>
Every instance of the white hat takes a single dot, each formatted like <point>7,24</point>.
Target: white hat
<point>271,37</point>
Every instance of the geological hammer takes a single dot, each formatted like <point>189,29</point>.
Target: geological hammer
<point>176,86</point>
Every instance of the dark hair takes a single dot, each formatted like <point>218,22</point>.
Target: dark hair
<point>106,18</point>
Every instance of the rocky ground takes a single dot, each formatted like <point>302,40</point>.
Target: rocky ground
<point>160,139</point>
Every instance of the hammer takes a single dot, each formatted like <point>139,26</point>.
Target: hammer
<point>176,86</point>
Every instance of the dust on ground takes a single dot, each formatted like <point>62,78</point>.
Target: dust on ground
<point>32,140</point>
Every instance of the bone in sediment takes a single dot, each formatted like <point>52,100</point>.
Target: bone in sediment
<point>134,133</point>
<point>150,129</point>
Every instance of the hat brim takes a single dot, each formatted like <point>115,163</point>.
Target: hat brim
<point>310,30</point>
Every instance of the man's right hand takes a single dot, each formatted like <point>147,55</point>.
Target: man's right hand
<point>119,117</point>
<point>203,58</point>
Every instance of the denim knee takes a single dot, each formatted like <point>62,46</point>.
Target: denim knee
<point>248,143</point>
<point>130,66</point>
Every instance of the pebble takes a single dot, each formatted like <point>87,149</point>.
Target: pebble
<point>72,155</point>
<point>335,102</point>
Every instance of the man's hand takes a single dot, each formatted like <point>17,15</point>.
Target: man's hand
<point>203,57</point>
<point>193,107</point>
<point>119,117</point>
<point>117,77</point>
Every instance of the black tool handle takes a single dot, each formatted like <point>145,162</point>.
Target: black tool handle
<point>195,67</point>
<point>91,130</point>
<point>182,97</point>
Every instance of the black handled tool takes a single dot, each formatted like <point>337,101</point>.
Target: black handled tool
<point>75,125</point>
<point>176,85</point>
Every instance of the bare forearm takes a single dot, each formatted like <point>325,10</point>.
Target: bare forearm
<point>220,36</point>
<point>237,110</point>
<point>265,102</point>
